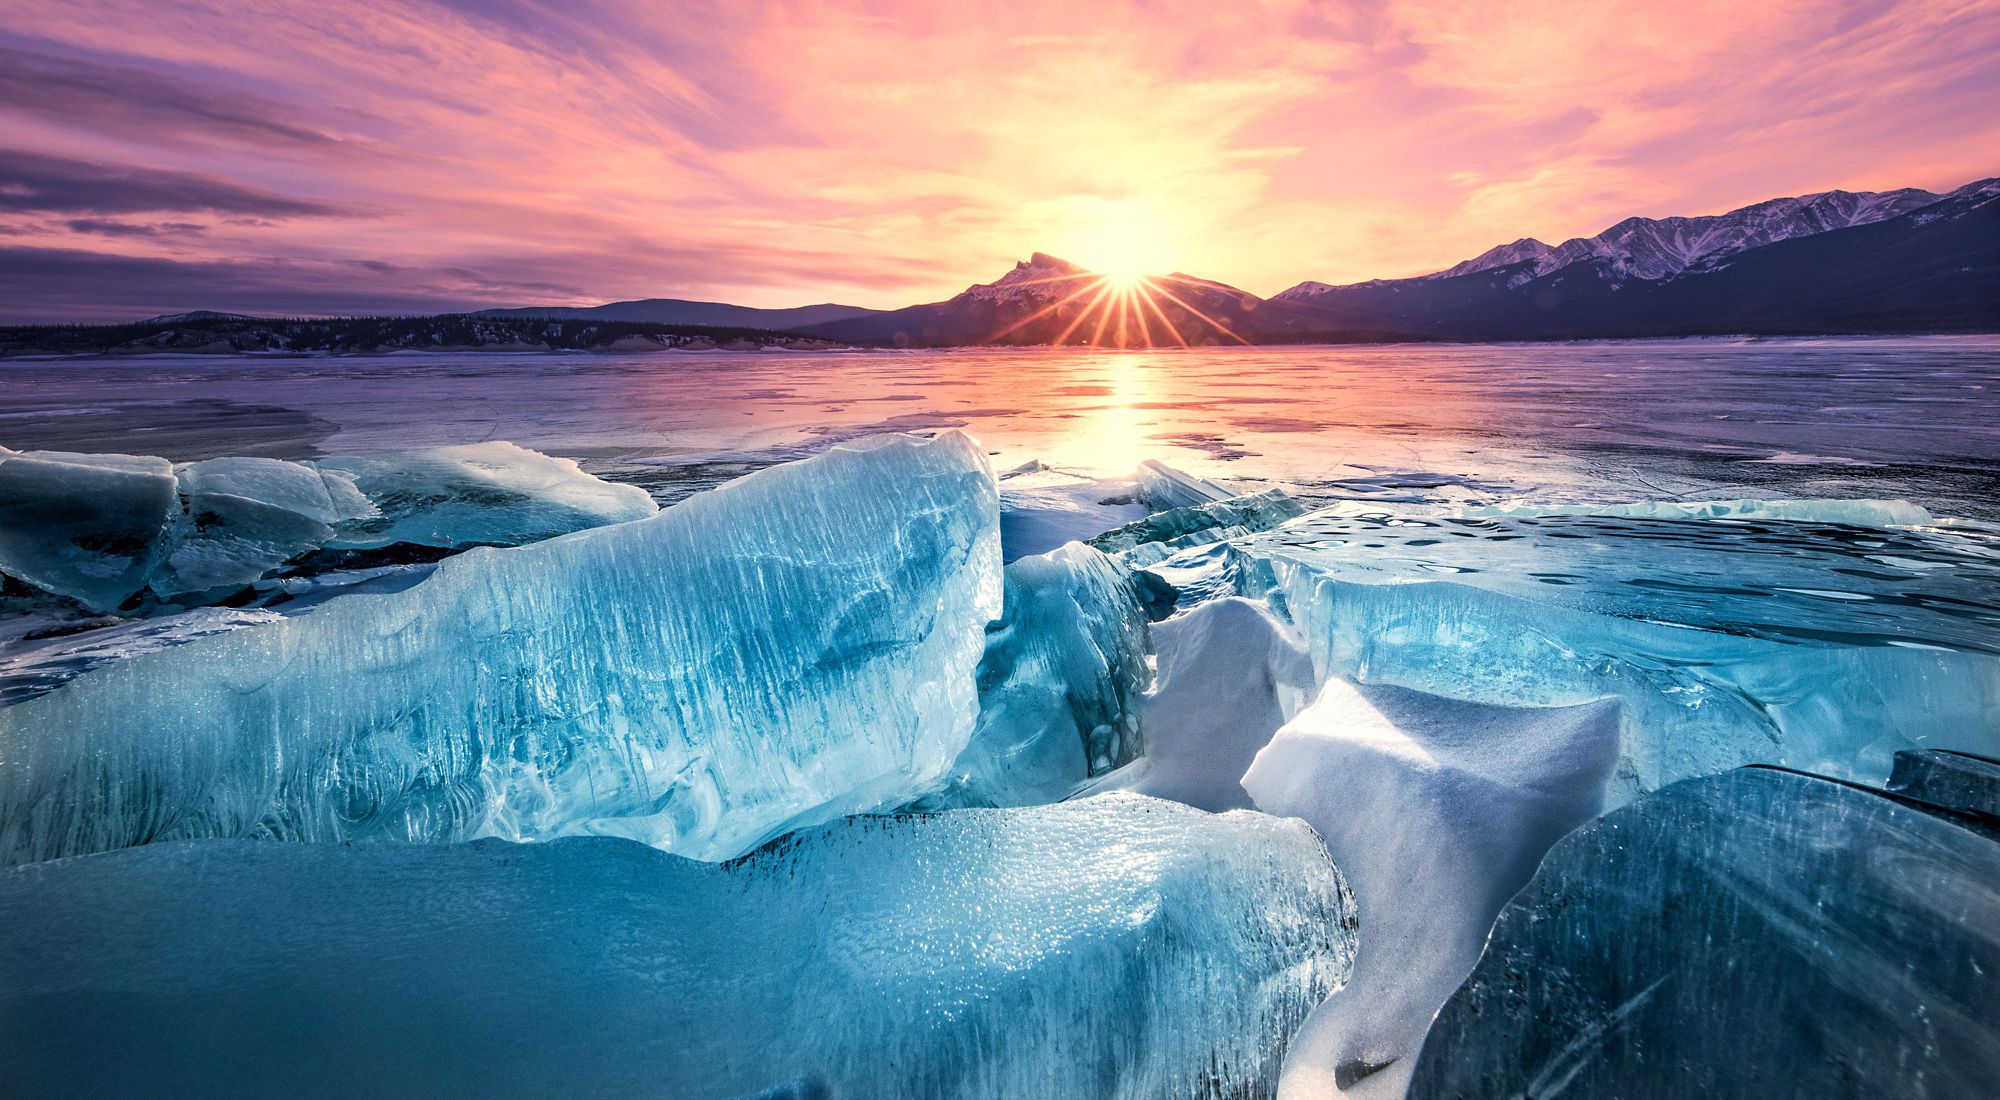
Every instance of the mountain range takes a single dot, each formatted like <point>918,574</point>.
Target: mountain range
<point>1834,262</point>
<point>1901,261</point>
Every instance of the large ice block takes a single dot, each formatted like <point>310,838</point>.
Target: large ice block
<point>1729,640</point>
<point>492,493</point>
<point>1114,948</point>
<point>244,517</point>
<point>1754,934</point>
<point>1437,811</point>
<point>793,646</point>
<point>89,527</point>
<point>1059,683</point>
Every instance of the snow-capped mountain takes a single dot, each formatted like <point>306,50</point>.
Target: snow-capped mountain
<point>1041,278</point>
<point>1898,261</point>
<point>1659,249</point>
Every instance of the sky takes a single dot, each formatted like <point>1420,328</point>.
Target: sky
<point>383,156</point>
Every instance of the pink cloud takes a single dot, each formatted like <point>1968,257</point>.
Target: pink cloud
<point>887,152</point>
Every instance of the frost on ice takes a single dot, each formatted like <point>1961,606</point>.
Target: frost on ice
<point>1759,933</point>
<point>793,646</point>
<point>1114,948</point>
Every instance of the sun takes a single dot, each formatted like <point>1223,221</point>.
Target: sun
<point>1124,240</point>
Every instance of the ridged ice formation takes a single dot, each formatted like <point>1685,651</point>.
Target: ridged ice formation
<point>794,646</point>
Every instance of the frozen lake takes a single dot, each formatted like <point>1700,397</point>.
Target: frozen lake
<point>1906,418</point>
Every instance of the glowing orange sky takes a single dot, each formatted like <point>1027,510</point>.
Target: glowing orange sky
<point>375,155</point>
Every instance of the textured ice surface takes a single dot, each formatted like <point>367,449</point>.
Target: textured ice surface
<point>1114,948</point>
<point>1752,934</point>
<point>243,517</point>
<point>89,527</point>
<point>1437,811</point>
<point>1229,675</point>
<point>1042,508</point>
<point>1854,513</point>
<point>480,493</point>
<point>1059,683</point>
<point>1252,512</point>
<point>1819,646</point>
<point>796,645</point>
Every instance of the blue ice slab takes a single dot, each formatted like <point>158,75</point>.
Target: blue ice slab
<point>244,517</point>
<point>1115,948</point>
<point>797,645</point>
<point>1059,683</point>
<point>1730,640</point>
<point>1754,934</point>
<point>492,493</point>
<point>91,528</point>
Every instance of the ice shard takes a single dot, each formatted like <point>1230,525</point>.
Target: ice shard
<point>88,527</point>
<point>244,517</point>
<point>1759,933</point>
<point>1814,645</point>
<point>1164,487</point>
<point>1059,682</point>
<point>796,645</point>
<point>492,493</point>
<point>1113,948</point>
<point>1437,811</point>
<point>1252,512</point>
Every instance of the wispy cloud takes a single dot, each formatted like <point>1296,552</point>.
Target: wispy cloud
<point>34,182</point>
<point>897,150</point>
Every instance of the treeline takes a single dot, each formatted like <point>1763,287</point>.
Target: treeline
<point>339,335</point>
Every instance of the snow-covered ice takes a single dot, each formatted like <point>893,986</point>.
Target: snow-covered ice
<point>796,645</point>
<point>1437,811</point>
<point>1114,948</point>
<point>1230,673</point>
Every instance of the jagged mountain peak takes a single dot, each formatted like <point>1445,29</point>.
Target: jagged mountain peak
<point>1663,248</point>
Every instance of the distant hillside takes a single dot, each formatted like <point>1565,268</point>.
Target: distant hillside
<point>674,311</point>
<point>224,334</point>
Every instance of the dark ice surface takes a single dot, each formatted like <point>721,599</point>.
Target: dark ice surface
<point>1911,418</point>
<point>1757,934</point>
